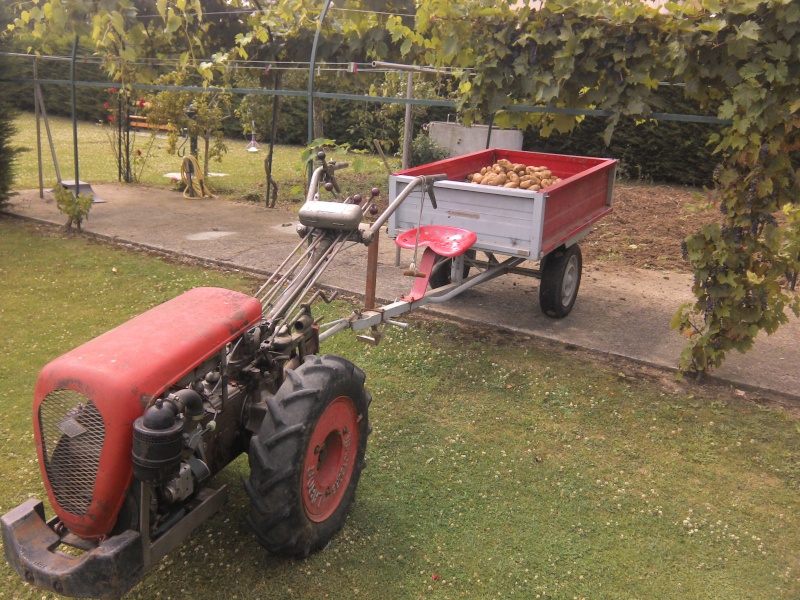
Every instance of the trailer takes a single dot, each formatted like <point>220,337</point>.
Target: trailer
<point>435,209</point>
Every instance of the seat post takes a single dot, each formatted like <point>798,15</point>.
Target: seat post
<point>422,277</point>
<point>457,269</point>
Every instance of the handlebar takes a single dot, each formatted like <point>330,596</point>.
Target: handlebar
<point>426,180</point>
<point>433,178</point>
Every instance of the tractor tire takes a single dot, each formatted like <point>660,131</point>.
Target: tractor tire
<point>441,277</point>
<point>561,278</point>
<point>307,458</point>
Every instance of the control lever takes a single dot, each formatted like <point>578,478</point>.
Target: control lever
<point>329,169</point>
<point>429,189</point>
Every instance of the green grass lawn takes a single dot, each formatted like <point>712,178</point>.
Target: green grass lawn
<point>244,171</point>
<point>497,468</point>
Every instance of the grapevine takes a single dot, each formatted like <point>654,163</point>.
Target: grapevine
<point>736,58</point>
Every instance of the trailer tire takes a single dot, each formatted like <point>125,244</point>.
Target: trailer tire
<point>561,278</point>
<point>441,277</point>
<point>307,458</point>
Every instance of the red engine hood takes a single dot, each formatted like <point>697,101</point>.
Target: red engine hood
<point>120,372</point>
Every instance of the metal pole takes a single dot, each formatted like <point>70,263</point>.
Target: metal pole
<point>372,272</point>
<point>273,134</point>
<point>38,127</point>
<point>401,67</point>
<point>43,111</point>
<point>408,130</point>
<point>119,137</point>
<point>489,133</point>
<point>74,112</point>
<point>128,177</point>
<point>311,65</point>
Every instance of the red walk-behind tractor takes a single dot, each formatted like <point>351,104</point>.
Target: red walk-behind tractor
<point>131,426</point>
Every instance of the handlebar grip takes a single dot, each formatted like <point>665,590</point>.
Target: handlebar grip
<point>432,178</point>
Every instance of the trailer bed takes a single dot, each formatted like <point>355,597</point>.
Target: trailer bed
<point>516,222</point>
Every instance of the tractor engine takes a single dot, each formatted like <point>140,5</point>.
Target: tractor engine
<point>146,409</point>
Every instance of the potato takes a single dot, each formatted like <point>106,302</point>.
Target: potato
<point>515,175</point>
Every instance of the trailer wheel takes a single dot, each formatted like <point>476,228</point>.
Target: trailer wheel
<point>561,278</point>
<point>306,460</point>
<point>441,277</point>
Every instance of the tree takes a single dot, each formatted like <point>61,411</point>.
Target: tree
<point>198,115</point>
<point>735,58</point>
<point>204,37</point>
<point>353,31</point>
<point>125,31</point>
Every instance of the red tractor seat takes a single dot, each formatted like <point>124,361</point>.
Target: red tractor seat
<point>443,240</point>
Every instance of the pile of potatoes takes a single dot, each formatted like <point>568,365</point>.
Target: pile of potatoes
<point>506,174</point>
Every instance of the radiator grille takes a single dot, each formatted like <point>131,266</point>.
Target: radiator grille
<point>72,439</point>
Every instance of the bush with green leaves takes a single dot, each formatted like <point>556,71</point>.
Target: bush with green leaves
<point>658,151</point>
<point>424,149</point>
<point>75,207</point>
<point>57,97</point>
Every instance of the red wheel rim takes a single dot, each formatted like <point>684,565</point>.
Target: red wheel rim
<point>330,459</point>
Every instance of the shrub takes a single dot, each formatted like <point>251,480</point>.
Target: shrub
<point>424,150</point>
<point>75,207</point>
<point>663,151</point>
<point>7,152</point>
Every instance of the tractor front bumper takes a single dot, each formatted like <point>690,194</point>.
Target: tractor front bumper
<point>32,548</point>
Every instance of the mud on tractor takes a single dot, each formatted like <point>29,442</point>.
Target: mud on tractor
<point>131,426</point>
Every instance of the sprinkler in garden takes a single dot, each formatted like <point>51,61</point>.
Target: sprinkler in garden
<point>253,145</point>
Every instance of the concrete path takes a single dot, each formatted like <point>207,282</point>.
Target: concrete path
<point>623,314</point>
